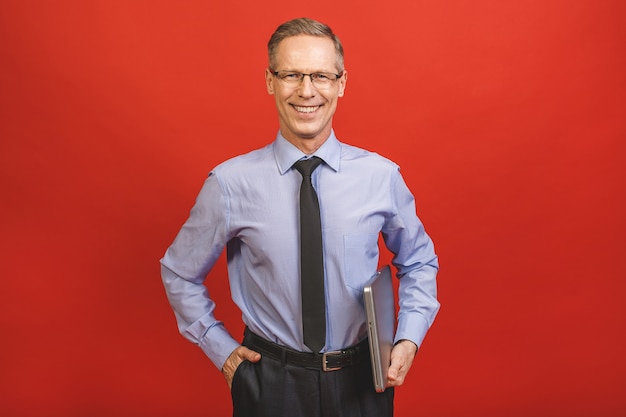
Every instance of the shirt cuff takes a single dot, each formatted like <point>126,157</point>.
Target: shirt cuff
<point>218,344</point>
<point>411,328</point>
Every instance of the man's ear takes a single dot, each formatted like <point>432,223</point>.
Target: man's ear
<point>269,81</point>
<point>342,83</point>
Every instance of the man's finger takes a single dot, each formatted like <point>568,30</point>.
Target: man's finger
<point>235,359</point>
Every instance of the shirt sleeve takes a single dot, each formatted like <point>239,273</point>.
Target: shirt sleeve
<point>417,263</point>
<point>185,266</point>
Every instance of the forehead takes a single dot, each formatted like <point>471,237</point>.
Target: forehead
<point>306,53</point>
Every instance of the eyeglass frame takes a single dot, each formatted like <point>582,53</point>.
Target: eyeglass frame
<point>302,75</point>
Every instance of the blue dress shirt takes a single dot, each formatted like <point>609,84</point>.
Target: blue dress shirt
<point>249,205</point>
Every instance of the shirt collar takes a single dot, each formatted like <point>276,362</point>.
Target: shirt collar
<point>287,154</point>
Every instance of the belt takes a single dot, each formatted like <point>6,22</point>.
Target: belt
<point>328,361</point>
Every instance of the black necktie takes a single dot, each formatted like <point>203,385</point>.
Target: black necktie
<point>311,260</point>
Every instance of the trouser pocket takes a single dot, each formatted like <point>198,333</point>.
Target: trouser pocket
<point>245,390</point>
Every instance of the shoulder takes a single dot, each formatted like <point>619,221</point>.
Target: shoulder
<point>245,164</point>
<point>353,156</point>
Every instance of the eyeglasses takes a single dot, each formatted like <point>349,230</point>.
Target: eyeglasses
<point>319,79</point>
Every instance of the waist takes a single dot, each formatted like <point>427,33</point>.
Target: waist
<point>328,361</point>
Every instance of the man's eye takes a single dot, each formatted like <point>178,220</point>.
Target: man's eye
<point>321,76</point>
<point>291,76</point>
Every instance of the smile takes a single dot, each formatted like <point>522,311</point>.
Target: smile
<point>306,109</point>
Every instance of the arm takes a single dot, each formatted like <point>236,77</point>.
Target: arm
<point>185,265</point>
<point>417,264</point>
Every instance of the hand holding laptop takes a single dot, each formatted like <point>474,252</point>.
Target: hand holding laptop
<point>390,364</point>
<point>402,356</point>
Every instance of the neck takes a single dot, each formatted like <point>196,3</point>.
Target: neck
<point>308,146</point>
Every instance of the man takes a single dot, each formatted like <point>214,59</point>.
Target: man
<point>250,205</point>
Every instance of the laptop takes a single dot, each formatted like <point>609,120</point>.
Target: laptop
<point>381,323</point>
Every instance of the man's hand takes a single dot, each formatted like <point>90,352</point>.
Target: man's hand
<point>238,355</point>
<point>401,360</point>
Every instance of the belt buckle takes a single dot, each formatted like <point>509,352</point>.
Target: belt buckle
<point>325,367</point>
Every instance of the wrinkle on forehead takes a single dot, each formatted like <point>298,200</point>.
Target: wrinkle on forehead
<point>306,54</point>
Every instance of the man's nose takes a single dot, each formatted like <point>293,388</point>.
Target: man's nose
<point>306,87</point>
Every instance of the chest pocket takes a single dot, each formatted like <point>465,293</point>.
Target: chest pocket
<point>361,258</point>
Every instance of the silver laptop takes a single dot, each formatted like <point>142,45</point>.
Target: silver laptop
<point>381,323</point>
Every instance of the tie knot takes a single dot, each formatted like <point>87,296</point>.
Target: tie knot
<point>307,166</point>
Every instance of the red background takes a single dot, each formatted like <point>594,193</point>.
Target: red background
<point>507,117</point>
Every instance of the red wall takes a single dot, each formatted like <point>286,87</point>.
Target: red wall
<point>507,117</point>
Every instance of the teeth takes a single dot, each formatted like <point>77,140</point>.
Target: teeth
<point>303,109</point>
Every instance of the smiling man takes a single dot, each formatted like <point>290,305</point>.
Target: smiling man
<point>300,221</point>
<point>306,78</point>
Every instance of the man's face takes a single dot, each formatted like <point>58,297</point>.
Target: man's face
<point>305,111</point>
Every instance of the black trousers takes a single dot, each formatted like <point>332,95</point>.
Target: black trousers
<point>271,388</point>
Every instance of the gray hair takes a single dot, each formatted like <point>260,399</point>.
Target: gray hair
<point>303,26</point>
